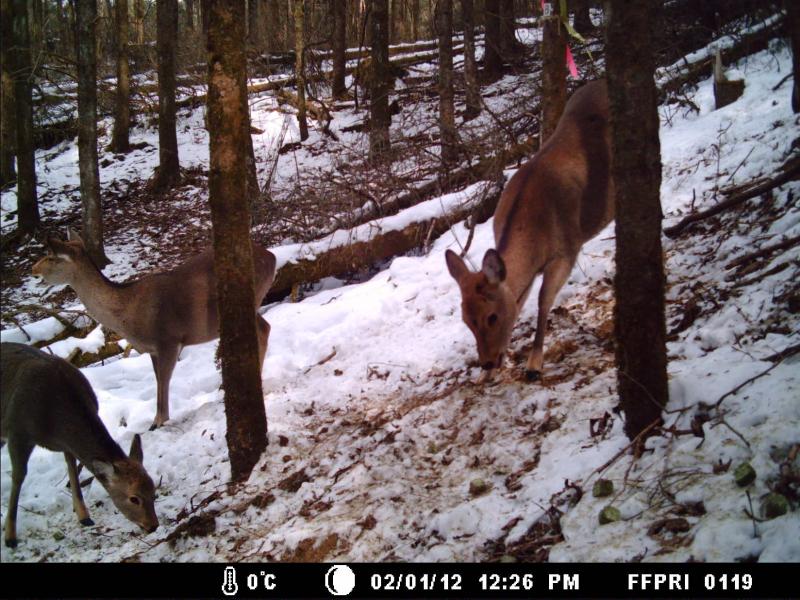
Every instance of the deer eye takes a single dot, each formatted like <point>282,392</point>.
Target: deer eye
<point>135,500</point>
<point>492,319</point>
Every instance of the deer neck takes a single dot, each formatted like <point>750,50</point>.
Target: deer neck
<point>105,301</point>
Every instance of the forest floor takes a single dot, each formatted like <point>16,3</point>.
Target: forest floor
<point>382,446</point>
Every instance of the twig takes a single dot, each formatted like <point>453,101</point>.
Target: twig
<point>642,434</point>
<point>789,243</point>
<point>787,353</point>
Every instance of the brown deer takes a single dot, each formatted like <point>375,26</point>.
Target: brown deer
<point>158,314</point>
<point>45,401</point>
<point>555,202</point>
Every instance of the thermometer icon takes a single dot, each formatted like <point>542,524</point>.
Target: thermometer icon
<point>229,585</point>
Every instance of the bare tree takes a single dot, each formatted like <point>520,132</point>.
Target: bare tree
<point>492,46</point>
<point>92,221</point>
<point>338,9</point>
<point>8,171</point>
<point>229,128</point>
<point>120,136</point>
<point>447,120</point>
<point>300,67</point>
<point>554,75</point>
<point>793,10</point>
<point>168,173</point>
<point>582,22</point>
<point>473,108</point>
<point>379,118</point>
<point>639,325</point>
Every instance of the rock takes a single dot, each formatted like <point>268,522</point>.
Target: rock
<point>508,558</point>
<point>609,514</point>
<point>478,487</point>
<point>58,536</point>
<point>726,91</point>
<point>744,474</point>
<point>602,488</point>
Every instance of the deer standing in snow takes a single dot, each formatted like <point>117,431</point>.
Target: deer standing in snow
<point>45,401</point>
<point>160,313</point>
<point>554,203</point>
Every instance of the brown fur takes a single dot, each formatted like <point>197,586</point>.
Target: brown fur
<point>158,314</point>
<point>557,201</point>
<point>45,401</point>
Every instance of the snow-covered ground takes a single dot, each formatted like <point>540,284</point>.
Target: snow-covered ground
<point>377,429</point>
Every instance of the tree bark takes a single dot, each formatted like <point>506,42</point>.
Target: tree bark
<point>120,136</point>
<point>473,90</point>
<point>492,57</point>
<point>793,9</point>
<point>582,21</point>
<point>190,15</point>
<point>229,128</point>
<point>92,221</point>
<point>639,324</point>
<point>27,202</point>
<point>379,117</point>
<point>508,38</point>
<point>8,171</point>
<point>447,119</point>
<point>554,75</point>
<point>339,13</point>
<point>300,68</point>
<point>168,173</point>
<point>254,25</point>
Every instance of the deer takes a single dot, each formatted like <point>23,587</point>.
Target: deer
<point>157,314</point>
<point>47,402</point>
<point>554,203</point>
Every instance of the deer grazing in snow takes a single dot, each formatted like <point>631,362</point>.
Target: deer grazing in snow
<point>45,401</point>
<point>158,314</point>
<point>555,202</point>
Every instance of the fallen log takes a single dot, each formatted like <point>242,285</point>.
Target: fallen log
<point>343,260</point>
<point>789,172</point>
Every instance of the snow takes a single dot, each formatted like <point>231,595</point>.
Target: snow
<point>370,390</point>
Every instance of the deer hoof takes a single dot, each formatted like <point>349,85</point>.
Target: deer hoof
<point>12,543</point>
<point>87,522</point>
<point>533,375</point>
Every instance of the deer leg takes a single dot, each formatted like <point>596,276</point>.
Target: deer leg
<point>262,330</point>
<point>555,274</point>
<point>19,455</point>
<point>163,364</point>
<point>78,505</point>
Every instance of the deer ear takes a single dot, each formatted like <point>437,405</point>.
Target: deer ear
<point>56,246</point>
<point>455,265</point>
<point>74,236</point>
<point>136,449</point>
<point>493,267</point>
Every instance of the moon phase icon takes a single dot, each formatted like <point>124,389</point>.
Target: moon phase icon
<point>340,580</point>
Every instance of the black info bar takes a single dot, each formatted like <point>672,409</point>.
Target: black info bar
<point>399,580</point>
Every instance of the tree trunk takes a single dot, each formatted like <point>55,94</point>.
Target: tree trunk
<point>168,173</point>
<point>379,117</point>
<point>414,20</point>
<point>190,15</point>
<point>122,114</point>
<point>300,68</point>
<point>554,75</point>
<point>229,128</point>
<point>253,25</point>
<point>92,221</point>
<point>8,171</point>
<point>447,119</point>
<point>508,37</point>
<point>492,57</point>
<point>139,9</point>
<point>27,202</point>
<point>473,90</point>
<point>339,13</point>
<point>582,22</point>
<point>793,10</point>
<point>639,325</point>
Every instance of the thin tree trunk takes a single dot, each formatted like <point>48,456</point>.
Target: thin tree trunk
<point>508,37</point>
<point>338,10</point>
<point>92,221</point>
<point>300,68</point>
<point>120,141</point>
<point>168,173</point>
<point>582,22</point>
<point>229,128</point>
<point>139,6</point>
<point>253,25</point>
<point>639,325</point>
<point>380,119</point>
<point>27,202</point>
<point>8,171</point>
<point>473,108</point>
<point>554,75</point>
<point>447,120</point>
<point>793,9</point>
<point>190,15</point>
<point>492,58</point>
<point>414,20</point>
